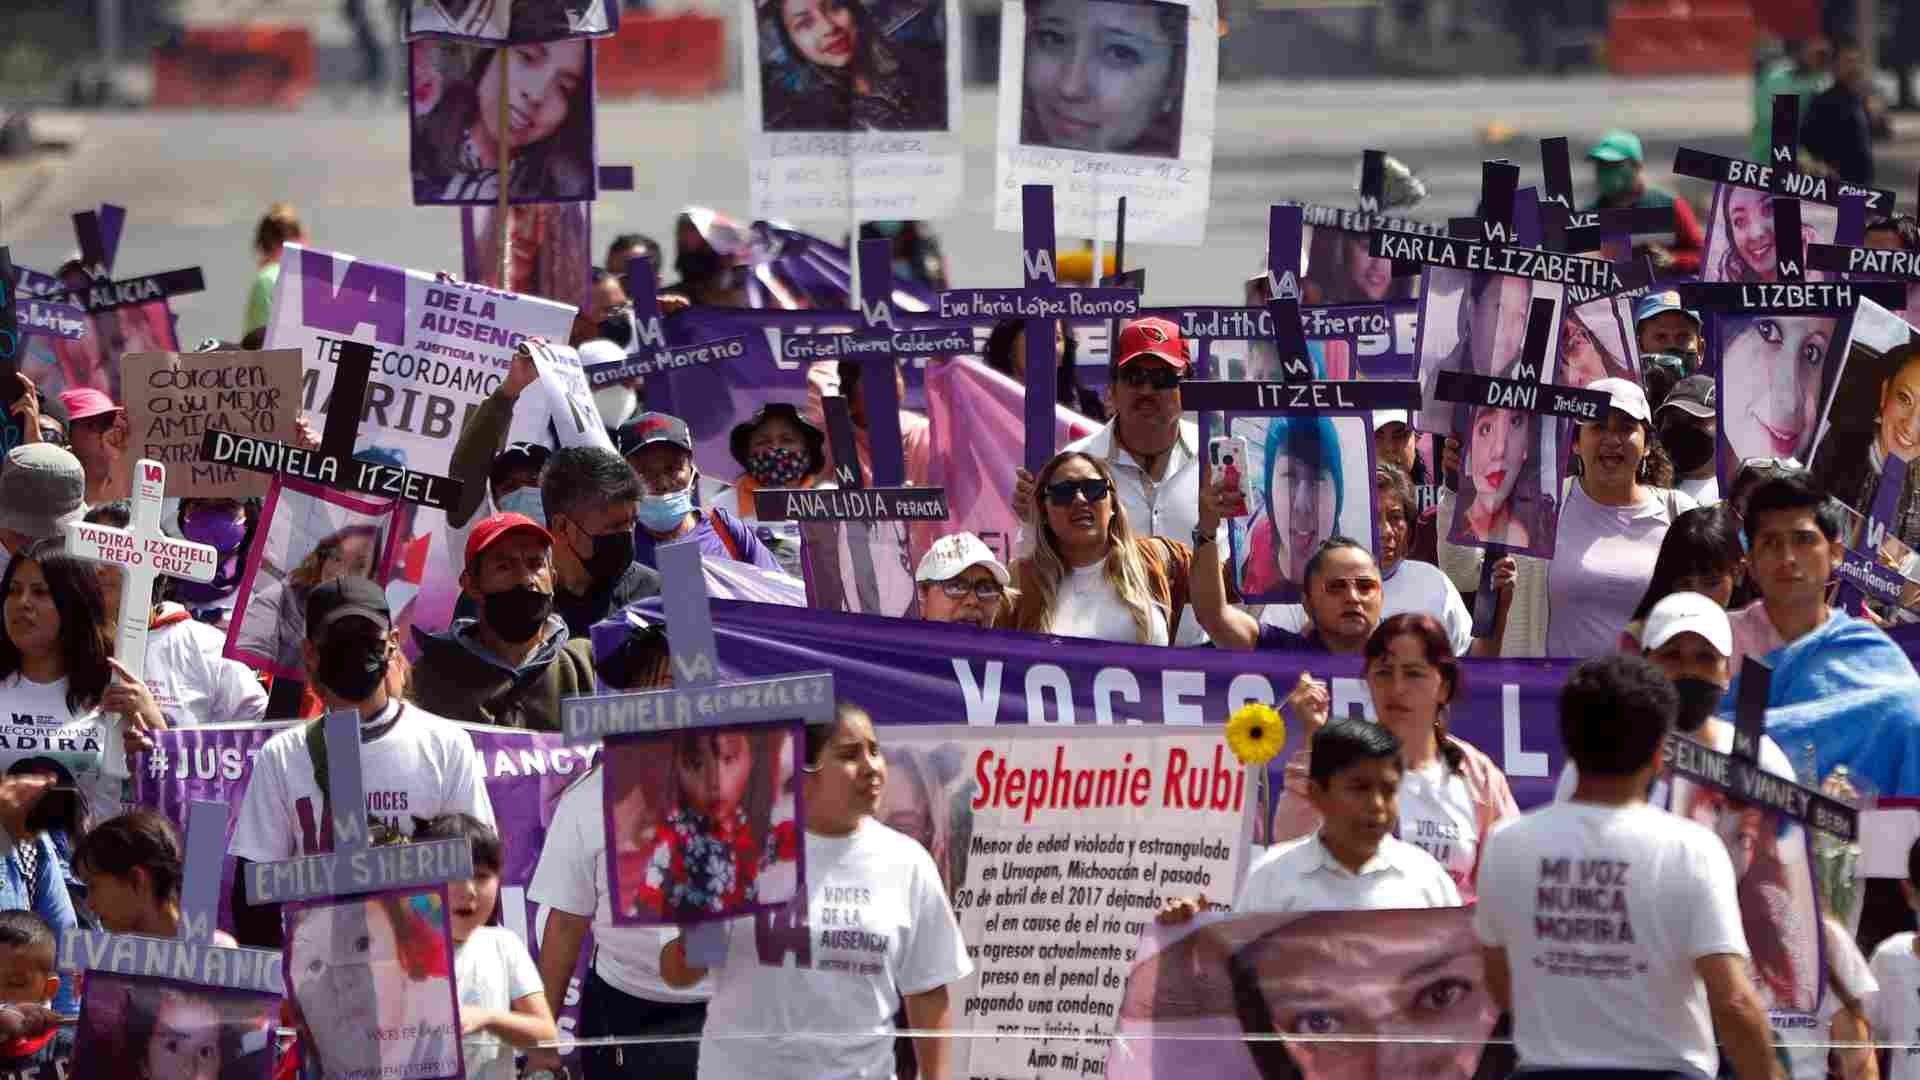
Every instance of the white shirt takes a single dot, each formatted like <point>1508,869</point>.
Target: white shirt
<point>1437,815</point>
<point>1847,967</point>
<point>1894,1012</point>
<point>572,876</point>
<point>1088,606</point>
<point>492,971</point>
<point>1670,791</point>
<point>421,767</point>
<point>1415,586</point>
<point>1302,875</point>
<point>1168,507</point>
<point>192,683</point>
<point>878,927</point>
<point>78,741</point>
<point>1705,491</point>
<point>1603,911</point>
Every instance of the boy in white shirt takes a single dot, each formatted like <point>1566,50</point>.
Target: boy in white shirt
<point>1894,1011</point>
<point>1611,928</point>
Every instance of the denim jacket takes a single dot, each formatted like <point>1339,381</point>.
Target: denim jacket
<point>49,898</point>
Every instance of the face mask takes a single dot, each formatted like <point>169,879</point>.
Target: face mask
<point>1690,447</point>
<point>697,265</point>
<point>523,500</point>
<point>776,467</point>
<point>664,513</point>
<point>1614,180</point>
<point>1698,700</point>
<point>516,614</point>
<point>609,558</point>
<point>352,669</point>
<point>222,531</point>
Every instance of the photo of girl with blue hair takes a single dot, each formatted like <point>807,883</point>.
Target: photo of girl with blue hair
<point>1301,497</point>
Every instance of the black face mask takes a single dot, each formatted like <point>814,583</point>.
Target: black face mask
<point>353,669</point>
<point>1698,700</point>
<point>698,265</point>
<point>617,327</point>
<point>516,614</point>
<point>1688,446</point>
<point>607,559</point>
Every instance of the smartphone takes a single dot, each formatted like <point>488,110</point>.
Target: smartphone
<point>1228,455</point>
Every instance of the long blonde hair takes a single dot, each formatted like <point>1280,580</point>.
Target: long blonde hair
<point>1039,576</point>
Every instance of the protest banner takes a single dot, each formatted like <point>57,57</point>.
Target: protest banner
<point>1157,150</point>
<point>458,134</point>
<point>173,399</point>
<point>648,355</point>
<point>1056,853</point>
<point>853,112</point>
<point>549,242</point>
<point>496,22</point>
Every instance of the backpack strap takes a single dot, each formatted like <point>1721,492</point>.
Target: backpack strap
<point>317,755</point>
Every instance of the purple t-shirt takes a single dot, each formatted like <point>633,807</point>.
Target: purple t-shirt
<point>1602,562</point>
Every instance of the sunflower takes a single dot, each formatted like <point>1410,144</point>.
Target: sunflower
<point>1255,733</point>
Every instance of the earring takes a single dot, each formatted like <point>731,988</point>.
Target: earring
<point>1166,106</point>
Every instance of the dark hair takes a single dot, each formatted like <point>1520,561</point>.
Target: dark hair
<point>1615,711</point>
<point>57,811</point>
<point>1913,863</point>
<point>1388,475</point>
<point>142,1018</point>
<point>581,477</point>
<point>279,225</point>
<point>1701,542</point>
<point>1327,546</point>
<point>1438,649</point>
<point>1904,226</point>
<point>819,735</point>
<point>138,838</point>
<point>1345,741</point>
<point>636,244</point>
<point>22,929</point>
<point>83,633</point>
<point>1795,491</point>
<point>489,850</point>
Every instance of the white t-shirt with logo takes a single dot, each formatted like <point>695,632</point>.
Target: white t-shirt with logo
<point>1603,911</point>
<point>192,683</point>
<point>421,767</point>
<point>877,927</point>
<point>1415,586</point>
<point>492,971</point>
<point>1894,1011</point>
<point>572,876</point>
<point>35,721</point>
<point>1437,815</point>
<point>1088,606</point>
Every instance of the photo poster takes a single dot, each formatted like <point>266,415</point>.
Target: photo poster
<point>1873,413</point>
<point>1340,270</point>
<point>1150,138</point>
<point>713,398</point>
<point>92,360</point>
<point>1740,242</point>
<point>1312,479</point>
<point>703,823</point>
<point>853,109</point>
<point>1509,487</point>
<point>371,983</point>
<point>454,93</point>
<point>313,535</point>
<point>174,398</point>
<point>440,348</point>
<point>165,1028</point>
<point>1056,853</point>
<point>860,567</point>
<point>493,22</point>
<point>1197,991</point>
<point>1772,372</point>
<point>551,250</point>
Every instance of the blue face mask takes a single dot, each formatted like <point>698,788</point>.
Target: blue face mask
<point>664,513</point>
<point>523,500</point>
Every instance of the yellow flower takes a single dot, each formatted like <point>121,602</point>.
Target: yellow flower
<point>1255,733</point>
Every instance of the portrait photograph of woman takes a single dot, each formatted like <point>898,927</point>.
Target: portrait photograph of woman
<point>1311,480</point>
<point>457,137</point>
<point>1340,270</point>
<point>1475,323</point>
<point>152,1029</point>
<point>312,539</point>
<point>1104,76</point>
<point>1872,416</point>
<point>853,65</point>
<point>1771,370</point>
<point>1740,235</point>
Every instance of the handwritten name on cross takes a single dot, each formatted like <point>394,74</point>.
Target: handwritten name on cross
<point>1042,302</point>
<point>854,500</point>
<point>1779,176</point>
<point>192,956</point>
<point>648,353</point>
<point>1895,264</point>
<point>105,294</point>
<point>1739,774</point>
<point>354,866</point>
<point>333,464</point>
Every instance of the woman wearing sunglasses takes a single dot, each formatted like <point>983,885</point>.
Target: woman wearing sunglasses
<point>1089,576</point>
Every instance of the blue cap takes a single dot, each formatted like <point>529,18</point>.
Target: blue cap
<point>1659,304</point>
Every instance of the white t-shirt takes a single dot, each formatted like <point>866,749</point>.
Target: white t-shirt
<point>78,741</point>
<point>1677,792</point>
<point>421,767</point>
<point>192,683</point>
<point>1415,586</point>
<point>1847,967</point>
<point>1894,1011</point>
<point>1603,911</point>
<point>1437,815</point>
<point>878,927</point>
<point>1302,875</point>
<point>1088,606</point>
<point>572,876</point>
<point>1704,491</point>
<point>492,971</point>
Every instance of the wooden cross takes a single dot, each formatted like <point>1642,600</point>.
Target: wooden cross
<point>648,353</point>
<point>1779,176</point>
<point>1894,264</point>
<point>1564,228</point>
<point>98,243</point>
<point>333,464</point>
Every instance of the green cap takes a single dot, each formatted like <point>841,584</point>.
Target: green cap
<point>1617,145</point>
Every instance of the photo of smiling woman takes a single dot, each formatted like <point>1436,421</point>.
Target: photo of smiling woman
<point>1311,480</point>
<point>847,65</point>
<point>455,93</point>
<point>1104,76</point>
<point>1874,414</point>
<point>1771,370</point>
<point>362,970</point>
<point>174,1031</point>
<point>1340,271</point>
<point>1740,239</point>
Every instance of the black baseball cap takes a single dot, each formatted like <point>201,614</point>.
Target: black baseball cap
<point>1693,395</point>
<point>517,455</point>
<point>331,601</point>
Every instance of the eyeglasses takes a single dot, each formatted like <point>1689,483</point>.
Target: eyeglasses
<point>986,590</point>
<point>1141,377</point>
<point>1061,492</point>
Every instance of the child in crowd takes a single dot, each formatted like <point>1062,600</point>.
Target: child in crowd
<point>132,866</point>
<point>1894,1012</point>
<point>502,1004</point>
<point>34,1045</point>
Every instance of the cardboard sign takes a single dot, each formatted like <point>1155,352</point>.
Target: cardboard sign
<point>174,399</point>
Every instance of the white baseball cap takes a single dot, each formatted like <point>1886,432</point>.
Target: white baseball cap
<point>1688,613</point>
<point>1626,396</point>
<point>953,553</point>
<point>1383,417</point>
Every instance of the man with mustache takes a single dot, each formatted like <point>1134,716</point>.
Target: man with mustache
<point>961,582</point>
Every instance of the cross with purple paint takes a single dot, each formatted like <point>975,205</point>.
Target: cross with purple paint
<point>648,353</point>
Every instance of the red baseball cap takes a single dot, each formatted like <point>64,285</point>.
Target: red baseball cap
<point>1155,337</point>
<point>84,401</point>
<point>489,532</point>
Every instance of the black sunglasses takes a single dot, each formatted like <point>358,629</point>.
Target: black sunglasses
<point>986,590</point>
<point>1061,492</point>
<point>1142,377</point>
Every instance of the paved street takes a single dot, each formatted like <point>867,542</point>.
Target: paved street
<point>195,183</point>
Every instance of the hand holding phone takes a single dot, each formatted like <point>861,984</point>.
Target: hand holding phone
<point>1228,455</point>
